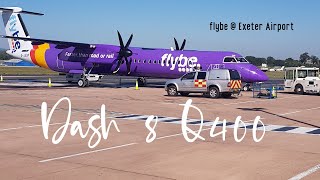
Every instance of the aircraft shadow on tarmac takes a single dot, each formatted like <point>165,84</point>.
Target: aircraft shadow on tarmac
<point>287,118</point>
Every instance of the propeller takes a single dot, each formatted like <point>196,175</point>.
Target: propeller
<point>123,54</point>
<point>177,45</point>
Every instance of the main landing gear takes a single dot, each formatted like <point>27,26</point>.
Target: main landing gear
<point>87,77</point>
<point>142,82</point>
<point>83,82</point>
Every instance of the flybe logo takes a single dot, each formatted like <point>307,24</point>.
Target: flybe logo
<point>15,33</point>
<point>184,64</point>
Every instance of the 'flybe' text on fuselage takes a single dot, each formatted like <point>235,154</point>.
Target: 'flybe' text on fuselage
<point>184,64</point>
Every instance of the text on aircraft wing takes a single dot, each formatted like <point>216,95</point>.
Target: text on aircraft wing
<point>42,41</point>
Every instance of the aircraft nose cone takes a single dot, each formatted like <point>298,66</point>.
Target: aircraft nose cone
<point>258,75</point>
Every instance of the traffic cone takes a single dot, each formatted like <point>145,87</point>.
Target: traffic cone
<point>1,78</point>
<point>274,93</point>
<point>49,83</point>
<point>137,86</point>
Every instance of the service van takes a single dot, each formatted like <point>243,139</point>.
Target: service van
<point>213,83</point>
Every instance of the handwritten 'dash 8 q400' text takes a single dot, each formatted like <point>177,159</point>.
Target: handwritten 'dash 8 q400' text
<point>102,131</point>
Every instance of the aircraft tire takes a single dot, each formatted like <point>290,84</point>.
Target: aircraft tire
<point>142,82</point>
<point>82,82</point>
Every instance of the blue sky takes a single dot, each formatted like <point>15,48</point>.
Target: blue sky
<point>155,23</point>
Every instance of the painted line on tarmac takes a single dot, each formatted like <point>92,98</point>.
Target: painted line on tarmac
<point>294,112</point>
<point>266,127</point>
<point>306,173</point>
<point>88,152</point>
<point>113,147</point>
<point>52,124</point>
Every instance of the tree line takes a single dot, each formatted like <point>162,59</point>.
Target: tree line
<point>304,60</point>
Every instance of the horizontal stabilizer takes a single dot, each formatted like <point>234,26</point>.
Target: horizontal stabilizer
<point>18,10</point>
<point>42,41</point>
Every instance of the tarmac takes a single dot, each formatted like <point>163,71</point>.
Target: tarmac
<point>289,149</point>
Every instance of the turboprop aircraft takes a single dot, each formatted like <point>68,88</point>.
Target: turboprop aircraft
<point>103,59</point>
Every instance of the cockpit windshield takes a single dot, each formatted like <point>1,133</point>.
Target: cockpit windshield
<point>241,60</point>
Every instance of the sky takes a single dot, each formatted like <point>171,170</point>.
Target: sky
<point>154,24</point>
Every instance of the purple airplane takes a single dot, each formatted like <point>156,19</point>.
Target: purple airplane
<point>101,59</point>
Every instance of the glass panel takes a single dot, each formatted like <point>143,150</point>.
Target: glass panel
<point>189,76</point>
<point>302,73</point>
<point>201,75</point>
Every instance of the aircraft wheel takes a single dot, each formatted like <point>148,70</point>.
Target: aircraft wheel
<point>82,82</point>
<point>142,82</point>
<point>87,83</point>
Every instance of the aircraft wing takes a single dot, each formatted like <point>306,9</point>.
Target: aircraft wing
<point>42,41</point>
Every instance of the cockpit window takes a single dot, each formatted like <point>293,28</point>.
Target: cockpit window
<point>229,59</point>
<point>241,60</point>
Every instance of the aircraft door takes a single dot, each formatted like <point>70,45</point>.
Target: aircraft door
<point>60,64</point>
<point>187,82</point>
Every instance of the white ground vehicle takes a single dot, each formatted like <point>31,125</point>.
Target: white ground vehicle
<point>213,83</point>
<point>302,80</point>
<point>82,82</point>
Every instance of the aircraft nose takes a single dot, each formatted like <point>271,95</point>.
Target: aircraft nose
<point>258,75</point>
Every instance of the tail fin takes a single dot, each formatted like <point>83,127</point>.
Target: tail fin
<point>14,26</point>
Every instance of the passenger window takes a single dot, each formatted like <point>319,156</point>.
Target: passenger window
<point>289,74</point>
<point>144,61</point>
<point>189,76</point>
<point>201,75</point>
<point>302,73</point>
<point>229,59</point>
<point>149,61</point>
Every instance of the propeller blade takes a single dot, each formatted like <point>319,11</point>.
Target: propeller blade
<point>176,43</point>
<point>118,66</point>
<point>128,63</point>
<point>183,44</point>
<point>120,40</point>
<point>129,41</point>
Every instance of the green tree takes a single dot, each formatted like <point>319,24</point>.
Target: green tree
<point>271,61</point>
<point>315,60</point>
<point>289,62</point>
<point>4,55</point>
<point>304,57</point>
